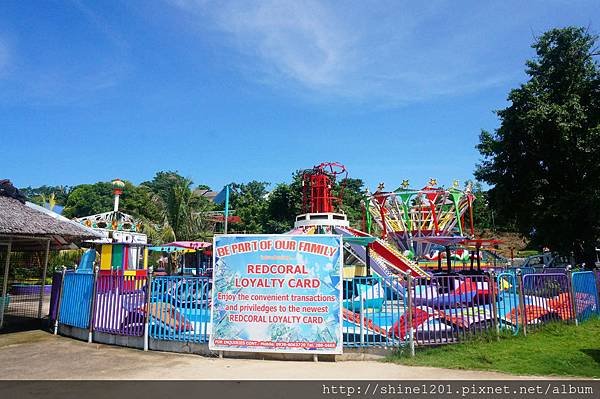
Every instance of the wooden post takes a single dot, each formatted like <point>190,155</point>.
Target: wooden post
<point>5,282</point>
<point>44,273</point>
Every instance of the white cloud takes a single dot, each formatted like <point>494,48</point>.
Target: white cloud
<point>354,50</point>
<point>297,40</point>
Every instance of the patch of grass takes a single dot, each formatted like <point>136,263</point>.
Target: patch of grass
<point>555,349</point>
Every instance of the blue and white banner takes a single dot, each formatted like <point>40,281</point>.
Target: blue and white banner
<point>277,293</point>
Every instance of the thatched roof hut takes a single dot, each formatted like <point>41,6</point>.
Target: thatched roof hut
<point>29,226</point>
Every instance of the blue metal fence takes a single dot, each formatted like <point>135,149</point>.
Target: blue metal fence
<point>76,299</point>
<point>448,309</point>
<point>547,297</point>
<point>374,312</point>
<point>508,302</point>
<point>586,295</point>
<point>179,308</point>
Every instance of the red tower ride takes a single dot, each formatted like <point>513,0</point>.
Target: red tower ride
<point>317,184</point>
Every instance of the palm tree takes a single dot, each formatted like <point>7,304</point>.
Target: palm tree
<point>180,209</point>
<point>49,202</point>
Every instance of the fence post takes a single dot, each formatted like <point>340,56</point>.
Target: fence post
<point>596,277</point>
<point>147,306</point>
<point>572,294</point>
<point>493,300</point>
<point>519,280</point>
<point>411,332</point>
<point>93,305</point>
<point>62,285</point>
<point>362,320</point>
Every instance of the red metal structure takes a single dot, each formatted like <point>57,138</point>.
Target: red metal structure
<point>317,184</point>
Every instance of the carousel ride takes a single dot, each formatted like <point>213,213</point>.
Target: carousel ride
<point>407,216</point>
<point>123,247</point>
<point>430,224</point>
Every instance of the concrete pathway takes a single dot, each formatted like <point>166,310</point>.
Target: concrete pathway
<point>40,355</point>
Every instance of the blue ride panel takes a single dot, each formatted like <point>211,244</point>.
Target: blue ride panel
<point>76,299</point>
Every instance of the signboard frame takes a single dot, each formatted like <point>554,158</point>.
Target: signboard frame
<point>310,351</point>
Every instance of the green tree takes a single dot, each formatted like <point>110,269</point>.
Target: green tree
<point>353,196</point>
<point>90,199</point>
<point>249,200</point>
<point>40,195</point>
<point>164,181</point>
<point>282,208</point>
<point>180,208</point>
<point>543,162</point>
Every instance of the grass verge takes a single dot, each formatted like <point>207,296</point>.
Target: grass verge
<point>555,349</point>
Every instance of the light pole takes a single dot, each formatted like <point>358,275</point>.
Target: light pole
<point>226,207</point>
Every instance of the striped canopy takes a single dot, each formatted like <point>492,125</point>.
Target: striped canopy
<point>169,248</point>
<point>189,244</point>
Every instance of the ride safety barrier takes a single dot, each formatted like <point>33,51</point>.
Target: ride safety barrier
<point>179,308</point>
<point>546,297</point>
<point>374,312</point>
<point>393,312</point>
<point>76,299</point>
<point>449,308</point>
<point>585,294</point>
<point>508,302</point>
<point>120,305</point>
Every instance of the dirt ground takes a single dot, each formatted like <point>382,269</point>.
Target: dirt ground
<point>40,355</point>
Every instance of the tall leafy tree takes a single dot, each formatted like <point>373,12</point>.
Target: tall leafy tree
<point>249,200</point>
<point>544,160</point>
<point>180,208</point>
<point>40,195</point>
<point>282,208</point>
<point>90,199</point>
<point>353,196</point>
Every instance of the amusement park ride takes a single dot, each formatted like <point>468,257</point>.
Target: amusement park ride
<point>406,214</point>
<point>318,202</point>
<point>123,249</point>
<point>404,231</point>
<point>416,227</point>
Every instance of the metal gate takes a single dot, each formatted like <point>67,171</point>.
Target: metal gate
<point>25,298</point>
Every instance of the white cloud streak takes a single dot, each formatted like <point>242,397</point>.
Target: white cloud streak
<point>359,51</point>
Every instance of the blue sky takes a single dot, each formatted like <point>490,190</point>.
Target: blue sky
<point>233,91</point>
